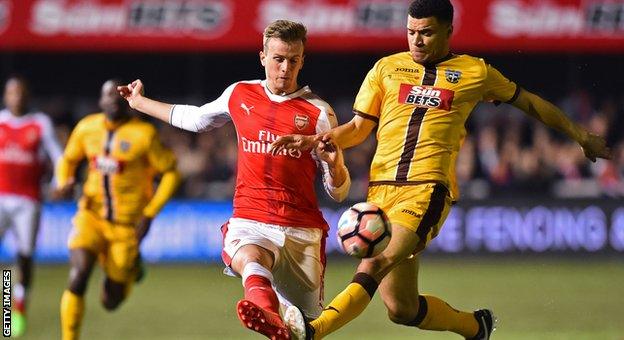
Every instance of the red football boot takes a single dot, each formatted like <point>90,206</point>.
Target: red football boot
<point>262,321</point>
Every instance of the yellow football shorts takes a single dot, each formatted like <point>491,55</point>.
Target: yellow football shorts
<point>422,208</point>
<point>115,244</point>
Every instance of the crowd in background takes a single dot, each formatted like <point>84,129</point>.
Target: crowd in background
<point>506,153</point>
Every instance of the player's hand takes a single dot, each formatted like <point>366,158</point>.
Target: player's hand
<point>595,146</point>
<point>132,92</point>
<point>327,151</point>
<point>64,192</point>
<point>298,142</point>
<point>143,227</point>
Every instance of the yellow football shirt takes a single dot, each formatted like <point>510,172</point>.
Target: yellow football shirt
<point>122,163</point>
<point>421,111</point>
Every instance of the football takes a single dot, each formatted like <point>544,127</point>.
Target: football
<point>363,230</point>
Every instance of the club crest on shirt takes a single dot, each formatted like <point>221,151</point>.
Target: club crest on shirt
<point>452,76</point>
<point>301,121</point>
<point>124,146</point>
<point>31,135</point>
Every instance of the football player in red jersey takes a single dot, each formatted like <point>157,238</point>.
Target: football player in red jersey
<point>26,137</point>
<point>275,239</point>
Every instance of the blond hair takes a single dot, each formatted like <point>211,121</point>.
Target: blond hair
<point>285,30</point>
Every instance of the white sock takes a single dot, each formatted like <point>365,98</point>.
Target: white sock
<point>19,292</point>
<point>255,268</point>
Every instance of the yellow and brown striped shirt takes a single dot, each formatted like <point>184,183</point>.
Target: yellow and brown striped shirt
<point>123,161</point>
<point>421,111</point>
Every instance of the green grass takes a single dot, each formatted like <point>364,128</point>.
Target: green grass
<point>534,299</point>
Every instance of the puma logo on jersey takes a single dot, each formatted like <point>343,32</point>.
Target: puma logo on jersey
<point>247,109</point>
<point>426,96</point>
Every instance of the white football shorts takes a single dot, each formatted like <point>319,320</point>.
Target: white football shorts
<point>21,215</point>
<point>299,259</point>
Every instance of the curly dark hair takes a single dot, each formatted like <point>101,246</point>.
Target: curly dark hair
<point>440,9</point>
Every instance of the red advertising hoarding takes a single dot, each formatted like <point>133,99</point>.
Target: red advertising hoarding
<point>595,26</point>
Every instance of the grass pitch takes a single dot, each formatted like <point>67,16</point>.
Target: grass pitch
<point>534,299</point>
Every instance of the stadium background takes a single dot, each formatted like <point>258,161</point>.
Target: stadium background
<point>538,235</point>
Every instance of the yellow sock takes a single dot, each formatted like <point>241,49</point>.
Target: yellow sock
<point>442,317</point>
<point>72,311</point>
<point>346,306</point>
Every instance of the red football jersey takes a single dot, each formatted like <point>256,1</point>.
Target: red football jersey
<point>271,189</point>
<point>24,141</point>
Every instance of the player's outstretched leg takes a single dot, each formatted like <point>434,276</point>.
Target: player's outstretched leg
<point>72,302</point>
<point>487,324</point>
<point>259,310</point>
<point>399,292</point>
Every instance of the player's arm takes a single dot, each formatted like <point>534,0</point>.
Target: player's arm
<point>187,117</point>
<point>51,145</point>
<point>163,160</point>
<point>344,136</point>
<point>133,93</point>
<point>330,159</point>
<point>366,110</point>
<point>169,182</point>
<point>349,134</point>
<point>336,179</point>
<point>65,169</point>
<point>498,88</point>
<point>352,133</point>
<point>593,146</point>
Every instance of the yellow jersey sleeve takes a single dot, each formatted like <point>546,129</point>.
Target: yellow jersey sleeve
<point>160,158</point>
<point>163,161</point>
<point>369,99</point>
<point>498,88</point>
<point>73,154</point>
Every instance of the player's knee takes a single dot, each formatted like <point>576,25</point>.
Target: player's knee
<point>111,303</point>
<point>377,266</point>
<point>24,258</point>
<point>252,254</point>
<point>401,314</point>
<point>112,299</point>
<point>78,278</point>
<point>113,294</point>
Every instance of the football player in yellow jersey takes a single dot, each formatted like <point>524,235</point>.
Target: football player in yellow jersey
<point>118,202</point>
<point>419,101</point>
